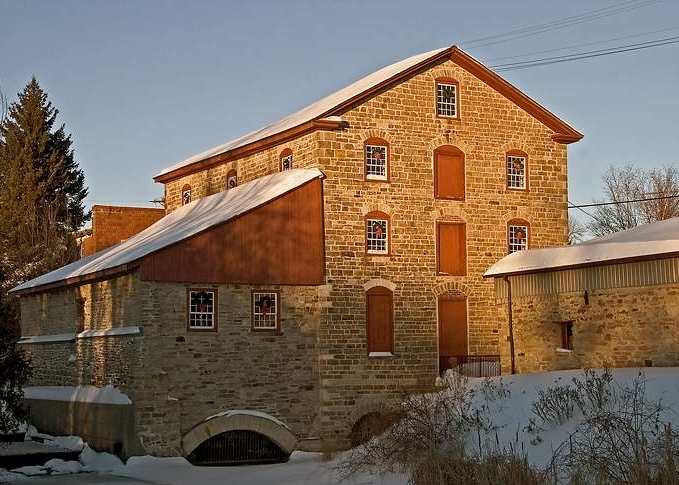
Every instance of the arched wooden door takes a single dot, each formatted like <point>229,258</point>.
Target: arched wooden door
<point>453,343</point>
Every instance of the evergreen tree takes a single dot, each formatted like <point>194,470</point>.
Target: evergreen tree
<point>41,194</point>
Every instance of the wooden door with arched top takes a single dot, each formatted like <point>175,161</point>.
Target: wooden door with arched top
<point>452,315</point>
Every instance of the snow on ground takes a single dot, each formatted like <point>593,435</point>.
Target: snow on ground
<point>510,411</point>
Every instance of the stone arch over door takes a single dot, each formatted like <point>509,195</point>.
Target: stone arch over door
<point>453,328</point>
<point>258,422</point>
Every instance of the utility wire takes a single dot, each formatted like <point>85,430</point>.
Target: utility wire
<point>573,206</point>
<point>559,23</point>
<point>584,55</point>
<point>598,204</point>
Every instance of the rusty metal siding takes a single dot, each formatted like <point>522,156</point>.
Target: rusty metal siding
<point>625,275</point>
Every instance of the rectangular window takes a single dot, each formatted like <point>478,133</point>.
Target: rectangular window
<point>446,100</point>
<point>265,314</point>
<point>518,238</point>
<point>376,162</point>
<point>201,311</point>
<point>451,247</point>
<point>516,172</point>
<point>286,162</point>
<point>566,330</point>
<point>377,240</point>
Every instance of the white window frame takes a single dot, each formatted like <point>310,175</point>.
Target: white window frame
<point>374,168</point>
<point>374,243</point>
<point>516,179</point>
<point>288,159</point>
<point>265,319</point>
<point>516,244</point>
<point>202,318</point>
<point>446,107</point>
<point>186,196</point>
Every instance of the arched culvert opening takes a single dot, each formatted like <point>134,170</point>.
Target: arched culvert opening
<point>236,437</point>
<point>372,424</point>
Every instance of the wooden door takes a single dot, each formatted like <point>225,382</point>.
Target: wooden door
<point>380,320</point>
<point>452,329</point>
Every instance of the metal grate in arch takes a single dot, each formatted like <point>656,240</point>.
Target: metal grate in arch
<point>237,447</point>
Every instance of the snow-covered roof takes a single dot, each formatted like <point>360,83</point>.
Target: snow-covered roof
<point>329,107</point>
<point>187,221</point>
<point>642,242</point>
<point>311,112</point>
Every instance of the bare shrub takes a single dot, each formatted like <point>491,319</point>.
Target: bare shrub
<point>555,405</point>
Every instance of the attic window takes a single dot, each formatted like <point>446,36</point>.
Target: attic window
<point>201,310</point>
<point>186,194</point>
<point>265,313</point>
<point>447,98</point>
<point>286,159</point>
<point>231,179</point>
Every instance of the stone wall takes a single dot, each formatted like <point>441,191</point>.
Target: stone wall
<point>489,126</point>
<point>617,327</point>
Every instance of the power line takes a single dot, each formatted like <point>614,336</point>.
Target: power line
<point>573,206</point>
<point>559,23</point>
<point>584,55</point>
<point>598,204</point>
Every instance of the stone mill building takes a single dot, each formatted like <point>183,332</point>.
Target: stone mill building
<point>307,271</point>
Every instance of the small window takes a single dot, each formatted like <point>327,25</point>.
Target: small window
<point>286,159</point>
<point>518,233</point>
<point>265,313</point>
<point>376,159</point>
<point>451,248</point>
<point>377,233</point>
<point>449,176</point>
<point>516,171</point>
<point>201,310</point>
<point>566,331</point>
<point>231,179</point>
<point>186,194</point>
<point>447,98</point>
<point>380,322</point>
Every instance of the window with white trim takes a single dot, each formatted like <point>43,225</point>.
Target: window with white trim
<point>201,311</point>
<point>376,159</point>
<point>286,160</point>
<point>186,194</point>
<point>377,234</point>
<point>518,236</point>
<point>447,98</point>
<point>265,314</point>
<point>516,171</point>
<point>231,179</point>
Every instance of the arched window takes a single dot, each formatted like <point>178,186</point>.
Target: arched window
<point>447,98</point>
<point>377,233</point>
<point>231,179</point>
<point>449,173</point>
<point>518,234</point>
<point>186,194</point>
<point>376,155</point>
<point>517,170</point>
<point>286,159</point>
<point>379,304</point>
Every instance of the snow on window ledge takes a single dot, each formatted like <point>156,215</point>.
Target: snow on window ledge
<point>380,354</point>
<point>560,350</point>
<point>91,394</point>
<point>71,337</point>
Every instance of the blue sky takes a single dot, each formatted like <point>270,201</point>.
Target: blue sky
<point>142,85</point>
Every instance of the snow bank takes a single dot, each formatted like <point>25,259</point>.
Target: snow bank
<point>247,412</point>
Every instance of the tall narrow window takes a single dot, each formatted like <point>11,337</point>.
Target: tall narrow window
<point>376,154</point>
<point>566,331</point>
<point>451,248</point>
<point>380,321</point>
<point>201,313</point>
<point>377,233</point>
<point>449,173</point>
<point>286,159</point>
<point>517,235</point>
<point>447,98</point>
<point>517,170</point>
<point>186,194</point>
<point>231,179</point>
<point>265,311</point>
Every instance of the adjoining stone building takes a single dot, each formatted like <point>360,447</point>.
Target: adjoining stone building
<point>611,301</point>
<point>362,277</point>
